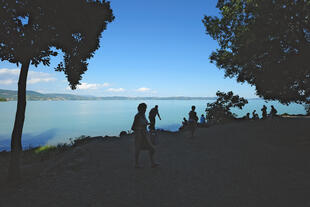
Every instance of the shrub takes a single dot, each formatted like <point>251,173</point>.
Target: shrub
<point>219,111</point>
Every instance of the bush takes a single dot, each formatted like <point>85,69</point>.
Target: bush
<point>307,108</point>
<point>219,111</point>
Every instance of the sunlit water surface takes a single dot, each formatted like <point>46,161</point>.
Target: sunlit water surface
<point>53,122</point>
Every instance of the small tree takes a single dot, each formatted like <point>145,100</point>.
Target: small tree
<point>31,30</point>
<point>307,108</point>
<point>265,43</point>
<point>219,110</point>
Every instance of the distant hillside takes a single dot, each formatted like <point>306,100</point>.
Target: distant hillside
<point>35,96</point>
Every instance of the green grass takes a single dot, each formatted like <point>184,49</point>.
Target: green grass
<point>2,99</point>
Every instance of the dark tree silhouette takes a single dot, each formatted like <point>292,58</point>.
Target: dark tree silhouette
<point>265,43</point>
<point>219,110</point>
<point>34,30</point>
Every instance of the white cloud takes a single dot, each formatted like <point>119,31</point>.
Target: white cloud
<point>37,77</point>
<point>105,84</point>
<point>10,76</point>
<point>7,82</point>
<point>90,86</point>
<point>143,89</point>
<point>115,89</point>
<point>38,80</point>
<point>6,71</point>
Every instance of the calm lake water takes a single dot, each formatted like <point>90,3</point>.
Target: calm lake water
<point>53,122</point>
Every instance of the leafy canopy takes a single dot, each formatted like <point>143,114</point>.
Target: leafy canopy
<point>265,43</point>
<point>34,30</point>
<point>220,109</point>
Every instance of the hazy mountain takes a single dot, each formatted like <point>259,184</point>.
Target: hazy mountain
<point>36,96</point>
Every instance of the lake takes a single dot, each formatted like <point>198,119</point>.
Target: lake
<point>53,122</point>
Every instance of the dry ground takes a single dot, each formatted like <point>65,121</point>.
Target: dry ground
<point>252,163</point>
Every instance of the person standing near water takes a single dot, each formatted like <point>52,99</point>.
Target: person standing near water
<point>140,132</point>
<point>192,121</point>
<point>152,117</point>
<point>264,112</point>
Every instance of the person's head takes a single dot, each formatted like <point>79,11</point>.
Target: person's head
<point>142,108</point>
<point>272,106</point>
<point>184,118</point>
<point>248,114</point>
<point>202,115</point>
<point>156,106</point>
<point>193,108</point>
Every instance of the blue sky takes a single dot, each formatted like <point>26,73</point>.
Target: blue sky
<point>153,48</point>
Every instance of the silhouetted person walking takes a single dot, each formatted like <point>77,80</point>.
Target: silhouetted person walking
<point>273,112</point>
<point>192,120</point>
<point>141,140</point>
<point>152,117</point>
<point>264,112</point>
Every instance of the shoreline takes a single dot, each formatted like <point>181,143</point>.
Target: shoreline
<point>129,132</point>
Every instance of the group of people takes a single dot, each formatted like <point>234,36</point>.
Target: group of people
<point>140,123</point>
<point>139,126</point>
<point>272,114</point>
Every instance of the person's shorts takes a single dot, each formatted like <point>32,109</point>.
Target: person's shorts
<point>142,141</point>
<point>192,124</point>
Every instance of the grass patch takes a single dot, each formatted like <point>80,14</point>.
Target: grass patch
<point>44,149</point>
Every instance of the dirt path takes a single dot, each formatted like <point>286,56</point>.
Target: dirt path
<point>241,164</point>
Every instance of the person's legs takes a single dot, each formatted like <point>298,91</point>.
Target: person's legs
<point>152,124</point>
<point>192,128</point>
<point>137,148</point>
<point>192,132</point>
<point>137,154</point>
<point>153,163</point>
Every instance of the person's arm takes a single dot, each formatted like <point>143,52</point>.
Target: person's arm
<point>196,117</point>
<point>133,127</point>
<point>158,115</point>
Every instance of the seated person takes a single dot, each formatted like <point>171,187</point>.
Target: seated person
<point>184,124</point>
<point>202,119</point>
<point>273,112</point>
<point>254,115</point>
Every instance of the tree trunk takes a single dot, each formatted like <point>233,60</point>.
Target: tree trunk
<point>16,141</point>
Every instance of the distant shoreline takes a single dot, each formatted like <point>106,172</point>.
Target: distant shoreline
<point>129,99</point>
<point>11,95</point>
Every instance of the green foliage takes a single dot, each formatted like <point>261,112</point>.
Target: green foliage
<point>35,30</point>
<point>3,99</point>
<point>265,43</point>
<point>219,110</point>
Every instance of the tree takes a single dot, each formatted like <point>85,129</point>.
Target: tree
<point>34,30</point>
<point>219,111</point>
<point>265,43</point>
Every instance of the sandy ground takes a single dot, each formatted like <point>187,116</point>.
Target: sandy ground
<point>251,163</point>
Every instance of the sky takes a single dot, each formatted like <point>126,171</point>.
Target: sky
<point>152,48</point>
